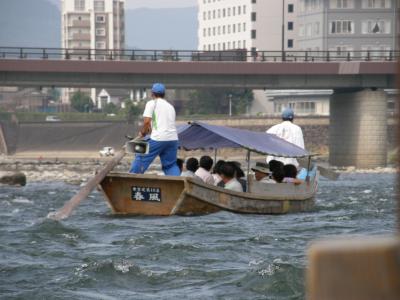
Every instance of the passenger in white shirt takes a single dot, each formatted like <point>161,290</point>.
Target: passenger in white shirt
<point>203,172</point>
<point>289,132</point>
<point>228,177</point>
<point>192,164</point>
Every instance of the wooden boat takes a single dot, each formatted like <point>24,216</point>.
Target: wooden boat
<point>152,195</point>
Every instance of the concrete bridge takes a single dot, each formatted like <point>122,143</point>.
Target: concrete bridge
<point>193,75</point>
<point>358,121</point>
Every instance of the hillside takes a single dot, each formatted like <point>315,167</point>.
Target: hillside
<point>29,23</point>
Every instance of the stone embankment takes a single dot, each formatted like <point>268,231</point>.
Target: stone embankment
<point>71,171</point>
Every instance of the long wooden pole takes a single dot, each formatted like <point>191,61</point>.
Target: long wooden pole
<point>69,206</point>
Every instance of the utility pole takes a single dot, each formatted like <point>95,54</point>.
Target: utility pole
<point>283,27</point>
<point>230,105</point>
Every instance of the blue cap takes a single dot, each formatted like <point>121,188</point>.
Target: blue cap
<point>158,88</point>
<point>288,114</point>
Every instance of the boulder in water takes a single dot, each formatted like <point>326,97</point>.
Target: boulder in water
<point>13,178</point>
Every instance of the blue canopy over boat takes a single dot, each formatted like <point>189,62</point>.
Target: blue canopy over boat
<point>199,135</point>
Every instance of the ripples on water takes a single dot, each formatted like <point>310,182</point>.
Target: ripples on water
<point>94,255</point>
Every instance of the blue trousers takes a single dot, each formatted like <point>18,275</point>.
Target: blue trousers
<point>168,153</point>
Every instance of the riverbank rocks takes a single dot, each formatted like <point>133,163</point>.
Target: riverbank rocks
<point>13,178</point>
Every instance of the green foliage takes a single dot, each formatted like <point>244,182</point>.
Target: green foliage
<point>110,108</point>
<point>216,101</point>
<point>55,94</point>
<point>132,110</point>
<point>81,102</point>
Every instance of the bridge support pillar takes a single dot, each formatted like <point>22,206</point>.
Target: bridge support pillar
<point>358,128</point>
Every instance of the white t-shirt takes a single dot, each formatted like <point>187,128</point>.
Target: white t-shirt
<point>291,133</point>
<point>234,185</point>
<point>162,116</point>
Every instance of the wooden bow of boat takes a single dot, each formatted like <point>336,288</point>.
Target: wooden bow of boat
<point>154,195</point>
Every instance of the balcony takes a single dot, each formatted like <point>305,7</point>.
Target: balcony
<point>80,23</point>
<point>80,37</point>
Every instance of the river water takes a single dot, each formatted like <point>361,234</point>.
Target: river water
<point>94,255</point>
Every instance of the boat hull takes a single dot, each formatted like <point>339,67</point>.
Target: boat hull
<point>153,195</point>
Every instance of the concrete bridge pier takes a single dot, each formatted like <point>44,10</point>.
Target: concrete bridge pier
<point>358,128</point>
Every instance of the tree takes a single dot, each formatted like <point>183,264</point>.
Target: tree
<point>132,110</point>
<point>110,108</point>
<point>216,101</point>
<point>81,102</point>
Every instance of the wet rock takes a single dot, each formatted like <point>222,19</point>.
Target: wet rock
<point>13,178</point>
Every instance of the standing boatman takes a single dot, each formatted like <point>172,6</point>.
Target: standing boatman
<point>159,120</point>
<point>289,132</point>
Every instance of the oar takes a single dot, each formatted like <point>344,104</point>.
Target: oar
<point>69,206</point>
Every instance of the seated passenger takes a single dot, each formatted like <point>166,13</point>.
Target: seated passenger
<point>302,175</point>
<point>203,172</point>
<point>278,174</point>
<point>262,173</point>
<point>192,164</point>
<point>179,162</point>
<point>217,172</point>
<point>274,165</point>
<point>228,177</point>
<point>239,174</point>
<point>290,172</point>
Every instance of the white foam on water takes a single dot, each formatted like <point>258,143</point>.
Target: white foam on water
<point>22,201</point>
<point>123,266</point>
<point>367,191</point>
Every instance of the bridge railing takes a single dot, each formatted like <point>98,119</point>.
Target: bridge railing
<point>238,55</point>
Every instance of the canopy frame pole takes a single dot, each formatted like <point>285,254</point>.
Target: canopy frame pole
<point>248,170</point>
<point>215,155</point>
<point>308,169</point>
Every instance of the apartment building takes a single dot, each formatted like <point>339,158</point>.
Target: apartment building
<point>348,26</point>
<point>92,24</point>
<point>263,25</point>
<point>246,24</point>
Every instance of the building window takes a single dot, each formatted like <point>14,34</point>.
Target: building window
<point>341,51</point>
<point>253,16</point>
<point>316,28</point>
<point>224,13</point>
<point>341,4</point>
<point>204,32</point>
<point>79,5</point>
<point>239,11</point>
<point>290,43</point>
<point>302,30</point>
<point>204,16</point>
<point>100,19</point>
<point>244,27</point>
<point>376,27</point>
<point>100,45</point>
<point>290,8</point>
<point>100,32</point>
<point>253,34</point>
<point>99,6</point>
<point>341,27</point>
<point>376,4</point>
<point>244,9</point>
<point>290,26</point>
<point>254,1</point>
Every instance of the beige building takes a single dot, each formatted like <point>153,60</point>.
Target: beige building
<point>246,24</point>
<point>264,25</point>
<point>98,25</point>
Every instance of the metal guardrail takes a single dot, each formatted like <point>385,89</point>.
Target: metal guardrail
<point>239,55</point>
